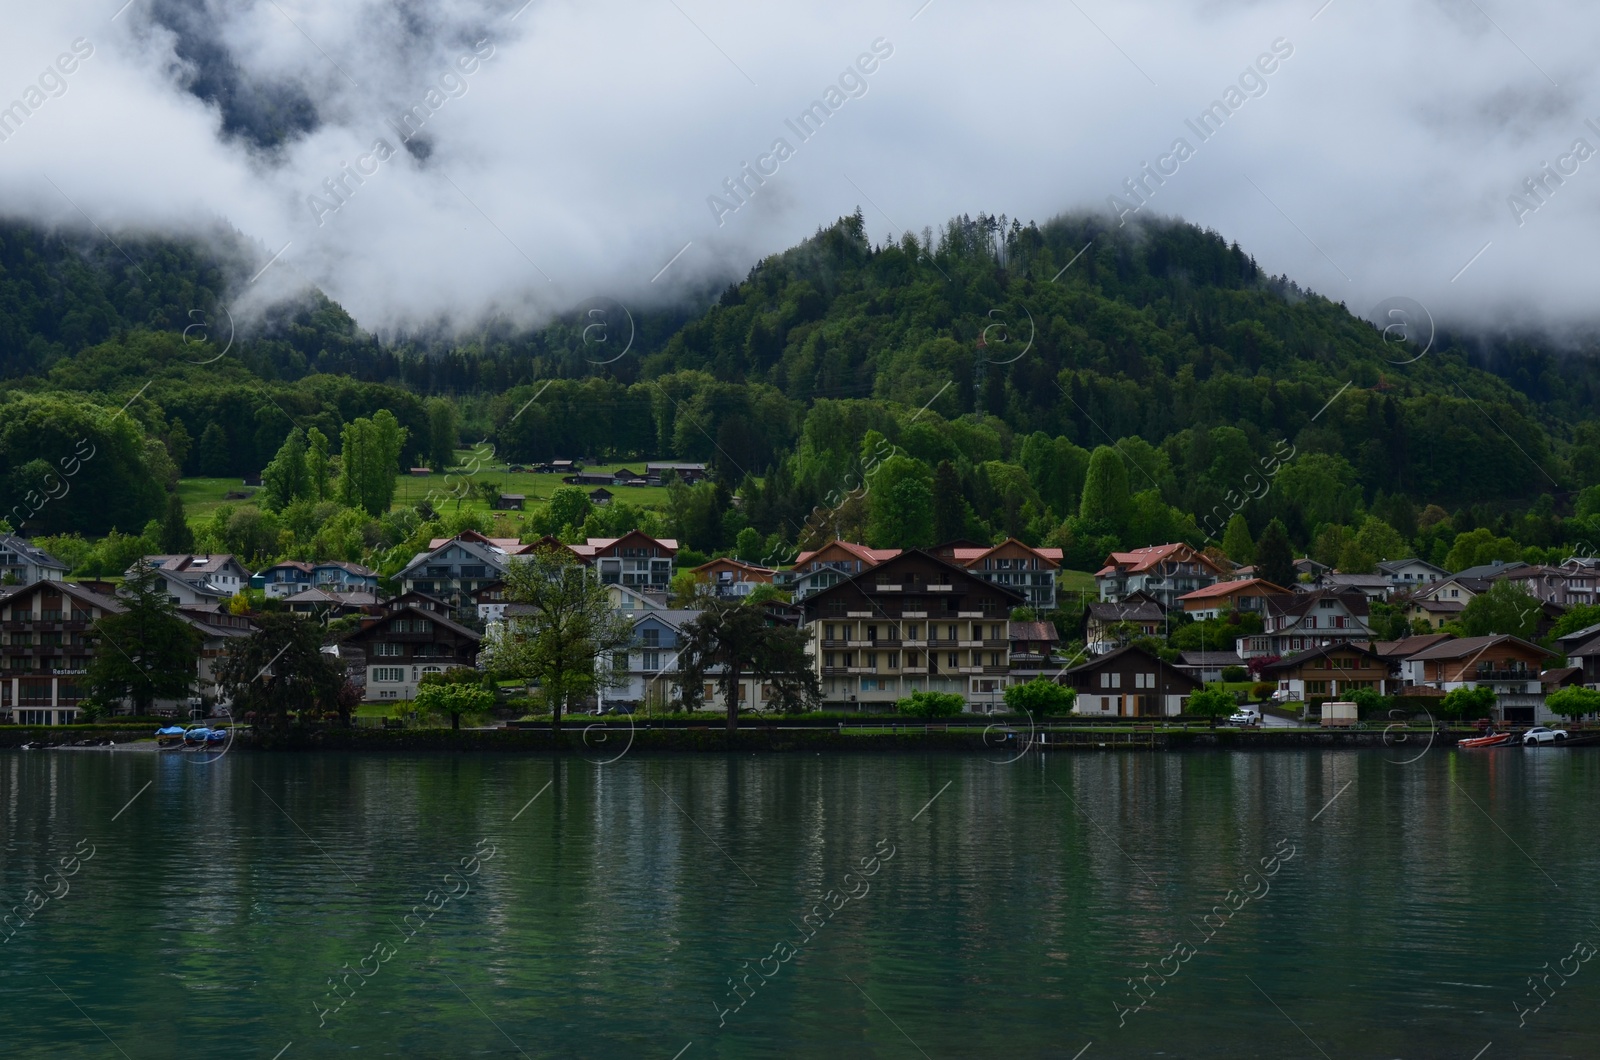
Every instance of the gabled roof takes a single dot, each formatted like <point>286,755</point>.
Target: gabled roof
<point>1465,647</point>
<point>737,564</point>
<point>1300,658</point>
<point>869,556</point>
<point>31,552</point>
<point>1126,611</point>
<point>1100,662</point>
<point>490,554</point>
<point>1439,607</point>
<point>596,545</point>
<point>1406,647</point>
<point>504,544</point>
<point>349,568</point>
<point>1561,675</point>
<point>1357,581</point>
<point>1208,659</point>
<point>971,556</point>
<point>1298,605</point>
<point>1224,589</point>
<point>1034,631</point>
<point>1490,570</point>
<point>210,563</point>
<point>1143,559</point>
<point>1391,566</point>
<point>371,630</point>
<point>858,581</point>
<point>201,588</point>
<point>76,592</point>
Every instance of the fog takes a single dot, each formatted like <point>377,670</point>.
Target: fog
<point>562,151</point>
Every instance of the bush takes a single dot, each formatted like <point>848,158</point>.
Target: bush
<point>1211,703</point>
<point>1234,673</point>
<point>930,705</point>
<point>1262,689</point>
<point>1039,697</point>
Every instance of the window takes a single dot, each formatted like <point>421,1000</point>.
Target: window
<point>870,660</point>
<point>953,660</point>
<point>652,638</point>
<point>911,631</point>
<point>389,649</point>
<point>827,659</point>
<point>827,631</point>
<point>894,660</point>
<point>388,673</point>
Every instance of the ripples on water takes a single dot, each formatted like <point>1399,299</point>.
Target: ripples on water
<point>617,907</point>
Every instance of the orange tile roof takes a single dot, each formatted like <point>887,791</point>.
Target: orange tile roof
<point>1230,588</point>
<point>1142,559</point>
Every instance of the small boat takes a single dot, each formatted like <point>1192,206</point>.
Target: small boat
<point>1490,739</point>
<point>197,736</point>
<point>216,736</point>
<point>171,736</point>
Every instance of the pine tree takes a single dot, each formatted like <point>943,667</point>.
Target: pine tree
<point>317,463</point>
<point>1236,540</point>
<point>286,479</point>
<point>214,459</point>
<point>146,652</point>
<point>1274,558</point>
<point>949,506</point>
<point>176,537</point>
<point>1106,499</point>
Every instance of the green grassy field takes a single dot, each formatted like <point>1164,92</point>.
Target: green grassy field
<point>202,496</point>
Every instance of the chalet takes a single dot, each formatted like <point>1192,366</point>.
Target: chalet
<point>688,474</point>
<point>1310,567</point>
<point>22,563</point>
<point>1033,650</point>
<point>46,642</point>
<point>1164,572</point>
<point>1105,625</point>
<point>911,623</point>
<point>1410,573</point>
<point>589,478</point>
<point>1031,571</point>
<point>829,565</point>
<point>217,575</point>
<point>1434,613</point>
<point>490,600</point>
<point>511,502</point>
<point>1372,586</point>
<point>731,578</point>
<point>1563,586</point>
<point>1395,652</point>
<point>624,477</point>
<point>648,669</point>
<point>1129,683</point>
<point>1304,621</point>
<point>1582,649</point>
<point>625,599</point>
<point>321,603</point>
<point>635,559</point>
<point>184,592</point>
<point>411,599</point>
<point>407,643</point>
<point>1509,665</point>
<point>1207,666</point>
<point>600,497</point>
<point>1213,600</point>
<point>454,569</point>
<point>219,630</point>
<point>1332,671</point>
<point>293,576</point>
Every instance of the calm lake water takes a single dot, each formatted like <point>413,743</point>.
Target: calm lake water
<point>1399,912</point>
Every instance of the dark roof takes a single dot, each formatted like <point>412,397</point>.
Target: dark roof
<point>1375,581</point>
<point>1127,611</point>
<point>1465,646</point>
<point>1300,604</point>
<point>1299,658</point>
<point>76,592</point>
<point>1034,631</point>
<point>1408,646</point>
<point>1392,565</point>
<point>376,628</point>
<point>1100,662</point>
<point>860,581</point>
<point>1561,675</point>
<point>1490,570</point>
<point>1207,659</point>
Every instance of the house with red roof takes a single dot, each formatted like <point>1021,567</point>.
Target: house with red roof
<point>635,559</point>
<point>729,578</point>
<point>1165,572</point>
<point>831,564</point>
<point>1030,571</point>
<point>1213,600</point>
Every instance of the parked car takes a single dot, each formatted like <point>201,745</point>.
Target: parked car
<point>1540,734</point>
<point>1247,716</point>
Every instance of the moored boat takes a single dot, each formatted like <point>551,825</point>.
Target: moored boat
<point>1492,739</point>
<point>171,736</point>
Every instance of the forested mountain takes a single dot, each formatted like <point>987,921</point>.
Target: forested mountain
<point>1071,383</point>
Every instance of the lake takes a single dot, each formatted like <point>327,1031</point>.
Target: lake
<point>1205,904</point>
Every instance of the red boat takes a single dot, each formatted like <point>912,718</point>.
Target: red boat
<point>1493,739</point>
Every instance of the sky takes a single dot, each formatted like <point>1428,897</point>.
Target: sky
<point>565,151</point>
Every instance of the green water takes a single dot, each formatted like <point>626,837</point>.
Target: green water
<point>1002,918</point>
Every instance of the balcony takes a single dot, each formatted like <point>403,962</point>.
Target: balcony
<point>859,614</point>
<point>913,669</point>
<point>834,671</point>
<point>971,614</point>
<point>914,643</point>
<point>940,588</point>
<point>913,614</point>
<point>971,670</point>
<point>860,643</point>
<point>861,669</point>
<point>887,588</point>
<point>1505,675</point>
<point>997,669</point>
<point>969,643</point>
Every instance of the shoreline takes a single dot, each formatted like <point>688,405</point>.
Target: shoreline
<point>602,743</point>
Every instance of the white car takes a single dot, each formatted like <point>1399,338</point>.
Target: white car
<point>1245,717</point>
<point>1540,734</point>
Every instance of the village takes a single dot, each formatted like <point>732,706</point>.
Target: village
<point>964,620</point>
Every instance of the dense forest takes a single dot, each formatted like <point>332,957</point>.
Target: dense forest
<point>1073,383</point>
